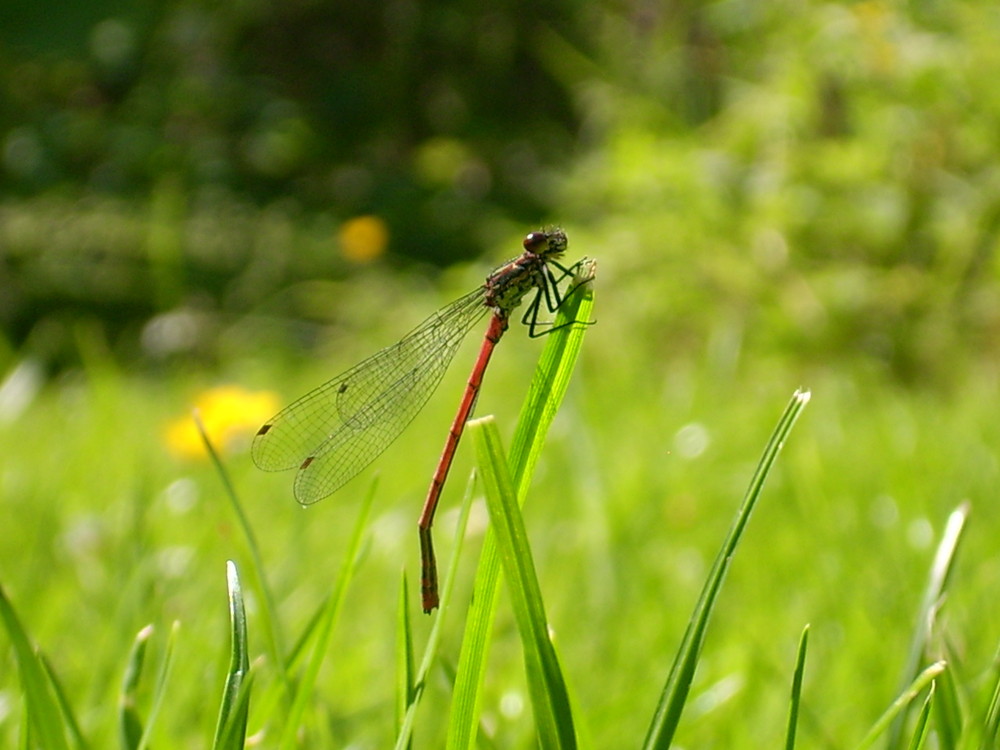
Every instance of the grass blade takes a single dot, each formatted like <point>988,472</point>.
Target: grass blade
<point>991,722</point>
<point>404,655</point>
<point>434,639</point>
<point>231,729</point>
<point>951,715</point>
<point>44,714</point>
<point>552,376</point>
<point>550,701</point>
<point>324,630</point>
<point>921,730</point>
<point>72,726</point>
<point>800,668</point>
<point>548,388</point>
<point>940,574</point>
<point>129,722</point>
<point>270,697</point>
<point>234,730</point>
<point>271,624</point>
<point>674,695</point>
<point>912,690</point>
<point>160,688</point>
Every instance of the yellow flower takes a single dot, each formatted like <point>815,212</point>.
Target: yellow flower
<point>229,413</point>
<point>363,238</point>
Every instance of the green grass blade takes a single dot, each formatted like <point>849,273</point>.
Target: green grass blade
<point>43,710</point>
<point>550,701</point>
<point>921,729</point>
<point>269,698</point>
<point>160,688</point>
<point>991,721</point>
<point>674,695</point>
<point>551,377</point>
<point>404,655</point>
<point>73,730</point>
<point>271,624</point>
<point>231,728</point>
<point>951,716</point>
<point>301,646</point>
<point>234,730</point>
<point>937,583</point>
<point>324,630</point>
<point>129,721</point>
<point>27,737</point>
<point>273,700</point>
<point>434,639</point>
<point>906,697</point>
<point>800,668</point>
<point>548,388</point>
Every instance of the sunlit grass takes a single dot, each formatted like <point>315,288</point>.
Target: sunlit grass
<point>787,221</point>
<point>106,532</point>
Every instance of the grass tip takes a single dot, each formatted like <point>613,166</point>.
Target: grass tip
<point>936,668</point>
<point>586,271</point>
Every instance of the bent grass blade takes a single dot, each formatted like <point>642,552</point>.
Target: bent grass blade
<point>546,684</point>
<point>675,692</point>
<point>548,388</point>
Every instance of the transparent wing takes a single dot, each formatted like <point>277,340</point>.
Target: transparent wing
<point>335,431</point>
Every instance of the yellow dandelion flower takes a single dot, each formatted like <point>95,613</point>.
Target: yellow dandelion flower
<point>229,413</point>
<point>363,238</point>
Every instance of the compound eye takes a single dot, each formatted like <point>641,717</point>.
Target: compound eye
<point>536,241</point>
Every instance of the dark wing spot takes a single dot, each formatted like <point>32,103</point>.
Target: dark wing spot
<point>264,430</point>
<point>342,388</point>
<point>305,464</point>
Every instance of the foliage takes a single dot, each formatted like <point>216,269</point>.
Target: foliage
<point>755,612</point>
<point>839,196</point>
<point>817,183</point>
<point>426,114</point>
<point>778,195</point>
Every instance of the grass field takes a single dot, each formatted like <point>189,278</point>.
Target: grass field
<point>106,530</point>
<point>222,207</point>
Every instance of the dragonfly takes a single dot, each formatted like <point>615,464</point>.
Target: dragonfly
<point>333,432</point>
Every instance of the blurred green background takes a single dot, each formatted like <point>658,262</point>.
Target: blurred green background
<point>821,181</point>
<point>257,193</point>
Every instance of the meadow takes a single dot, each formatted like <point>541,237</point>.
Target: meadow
<point>209,212</point>
<point>647,460</point>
